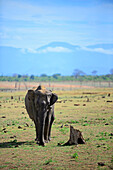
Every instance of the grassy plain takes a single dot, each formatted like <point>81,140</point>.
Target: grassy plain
<point>89,110</point>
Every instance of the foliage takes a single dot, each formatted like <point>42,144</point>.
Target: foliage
<point>77,73</point>
<point>57,78</point>
<point>75,155</point>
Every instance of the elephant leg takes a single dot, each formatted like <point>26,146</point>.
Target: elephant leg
<point>41,132</point>
<point>36,127</point>
<point>51,122</point>
<point>46,128</point>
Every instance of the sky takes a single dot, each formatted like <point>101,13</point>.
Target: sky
<point>30,24</point>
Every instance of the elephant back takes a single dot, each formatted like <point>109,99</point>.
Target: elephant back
<point>42,89</point>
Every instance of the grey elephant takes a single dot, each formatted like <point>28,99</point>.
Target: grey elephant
<point>40,107</point>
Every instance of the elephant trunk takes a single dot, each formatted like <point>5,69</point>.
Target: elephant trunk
<point>41,128</point>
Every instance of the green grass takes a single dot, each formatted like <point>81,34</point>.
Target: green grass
<point>72,121</point>
<point>18,148</point>
<point>48,161</point>
<point>64,130</point>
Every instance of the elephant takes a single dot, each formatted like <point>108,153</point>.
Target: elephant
<point>40,108</point>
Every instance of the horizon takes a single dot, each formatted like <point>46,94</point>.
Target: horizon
<point>48,75</point>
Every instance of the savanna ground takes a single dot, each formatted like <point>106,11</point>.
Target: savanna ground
<point>89,110</point>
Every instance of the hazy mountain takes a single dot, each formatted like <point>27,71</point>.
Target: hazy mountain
<point>59,44</point>
<point>56,57</point>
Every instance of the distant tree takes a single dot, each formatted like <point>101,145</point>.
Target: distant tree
<point>94,72</point>
<point>32,77</point>
<point>56,75</point>
<point>19,76</point>
<point>43,75</point>
<point>78,73</point>
<point>25,76</point>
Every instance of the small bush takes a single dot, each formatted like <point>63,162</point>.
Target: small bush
<point>48,161</point>
<point>75,155</point>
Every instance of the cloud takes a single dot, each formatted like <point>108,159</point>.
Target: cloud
<point>99,50</point>
<point>65,50</point>
<point>30,50</point>
<point>55,49</point>
<point>46,50</point>
<point>40,23</point>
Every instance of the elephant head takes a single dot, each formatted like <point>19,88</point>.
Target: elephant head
<point>42,103</point>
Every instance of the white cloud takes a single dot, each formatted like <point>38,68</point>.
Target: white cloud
<point>30,50</point>
<point>65,50</point>
<point>46,50</point>
<point>55,49</point>
<point>99,50</point>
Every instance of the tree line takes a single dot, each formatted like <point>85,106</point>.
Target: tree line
<point>77,76</point>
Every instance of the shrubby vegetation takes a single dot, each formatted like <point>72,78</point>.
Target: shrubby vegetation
<point>56,78</point>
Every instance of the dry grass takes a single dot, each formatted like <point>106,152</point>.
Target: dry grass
<point>89,110</point>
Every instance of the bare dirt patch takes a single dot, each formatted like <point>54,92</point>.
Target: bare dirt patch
<point>26,85</point>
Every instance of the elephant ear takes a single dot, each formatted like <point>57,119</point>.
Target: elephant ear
<point>31,95</point>
<point>53,99</point>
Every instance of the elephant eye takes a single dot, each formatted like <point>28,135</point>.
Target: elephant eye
<point>43,104</point>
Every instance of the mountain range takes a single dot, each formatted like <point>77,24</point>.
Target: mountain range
<point>56,57</point>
